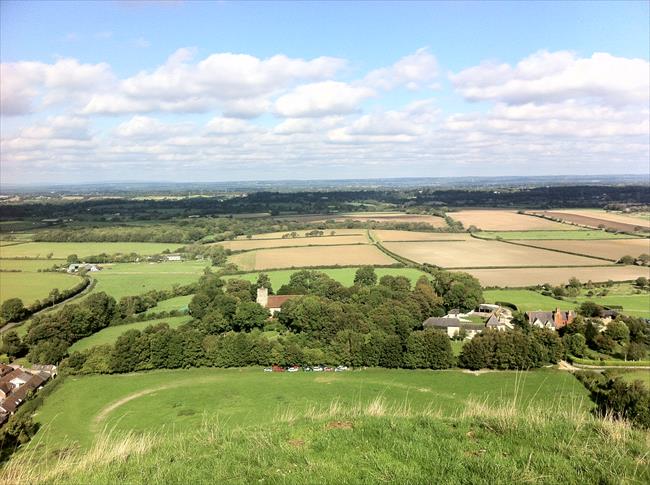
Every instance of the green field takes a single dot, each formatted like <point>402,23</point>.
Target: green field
<point>27,265</point>
<point>61,250</point>
<point>632,375</point>
<point>177,303</point>
<point>126,284</point>
<point>635,305</point>
<point>526,300</point>
<point>343,275</point>
<point>109,335</point>
<point>551,235</point>
<point>169,267</point>
<point>30,287</point>
<point>150,401</point>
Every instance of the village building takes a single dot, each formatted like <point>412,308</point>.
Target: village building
<point>272,303</point>
<point>554,320</point>
<point>16,386</point>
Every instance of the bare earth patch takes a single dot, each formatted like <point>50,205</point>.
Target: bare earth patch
<point>339,425</point>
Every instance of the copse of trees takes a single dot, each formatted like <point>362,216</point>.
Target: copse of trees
<point>50,335</point>
<point>516,349</point>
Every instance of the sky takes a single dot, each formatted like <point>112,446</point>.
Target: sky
<point>184,91</point>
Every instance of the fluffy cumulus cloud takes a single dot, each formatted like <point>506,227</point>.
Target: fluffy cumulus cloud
<point>556,77</point>
<point>234,116</point>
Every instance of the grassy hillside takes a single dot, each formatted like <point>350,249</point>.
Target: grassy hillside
<point>151,401</point>
<point>363,427</point>
<point>33,286</point>
<point>526,300</point>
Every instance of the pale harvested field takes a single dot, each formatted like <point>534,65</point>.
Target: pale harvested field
<point>612,249</point>
<point>387,235</point>
<point>301,234</point>
<point>480,253</point>
<point>244,245</point>
<point>594,220</point>
<point>536,276</point>
<point>503,220</point>
<point>311,256</point>
<point>610,216</point>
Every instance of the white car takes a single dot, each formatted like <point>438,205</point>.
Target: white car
<point>293,369</point>
<point>317,368</point>
<point>268,369</point>
<point>341,368</point>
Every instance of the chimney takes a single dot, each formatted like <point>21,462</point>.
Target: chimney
<point>263,296</point>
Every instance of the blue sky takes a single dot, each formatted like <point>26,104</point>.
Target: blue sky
<point>362,89</point>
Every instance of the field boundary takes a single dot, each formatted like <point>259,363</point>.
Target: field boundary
<point>549,249</point>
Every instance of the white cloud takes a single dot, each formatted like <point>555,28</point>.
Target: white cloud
<point>322,99</point>
<point>67,80</point>
<point>556,77</point>
<point>413,71</point>
<point>238,81</point>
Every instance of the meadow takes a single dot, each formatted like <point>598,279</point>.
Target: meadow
<point>109,335</point>
<point>504,220</point>
<point>29,286</point>
<point>551,235</point>
<point>635,305</point>
<point>525,300</point>
<point>345,276</point>
<point>610,249</point>
<point>178,303</point>
<point>474,253</point>
<point>521,277</point>
<point>394,217</point>
<point>311,256</point>
<point>27,265</point>
<point>61,250</point>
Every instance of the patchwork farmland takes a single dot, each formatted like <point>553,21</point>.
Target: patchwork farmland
<point>521,277</point>
<point>246,245</point>
<point>352,255</point>
<point>503,220</point>
<point>474,253</point>
<point>586,218</point>
<point>612,249</point>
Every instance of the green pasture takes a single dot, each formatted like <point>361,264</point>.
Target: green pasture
<point>168,267</point>
<point>176,303</point>
<point>110,334</point>
<point>634,305</point>
<point>30,287</point>
<point>526,300</point>
<point>61,250</point>
<point>551,235</point>
<point>343,275</point>
<point>128,284</point>
<point>27,265</point>
<point>170,401</point>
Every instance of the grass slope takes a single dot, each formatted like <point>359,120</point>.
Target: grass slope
<point>366,427</point>
<point>161,401</point>
<point>110,334</point>
<point>176,303</point>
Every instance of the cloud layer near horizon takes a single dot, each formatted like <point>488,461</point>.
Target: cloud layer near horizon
<point>231,114</point>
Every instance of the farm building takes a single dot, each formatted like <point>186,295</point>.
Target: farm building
<point>272,303</point>
<point>75,267</point>
<point>453,326</point>
<point>554,320</point>
<point>15,387</point>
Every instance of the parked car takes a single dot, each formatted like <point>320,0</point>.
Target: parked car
<point>268,369</point>
<point>328,369</point>
<point>293,368</point>
<point>277,368</point>
<point>341,368</point>
<point>317,368</point>
<point>307,369</point>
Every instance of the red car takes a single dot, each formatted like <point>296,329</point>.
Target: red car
<point>277,368</point>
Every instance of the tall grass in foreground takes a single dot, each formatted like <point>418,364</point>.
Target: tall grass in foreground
<point>364,443</point>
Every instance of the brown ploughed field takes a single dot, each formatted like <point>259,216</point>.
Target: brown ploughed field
<point>597,221</point>
<point>613,249</point>
<point>244,245</point>
<point>504,220</point>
